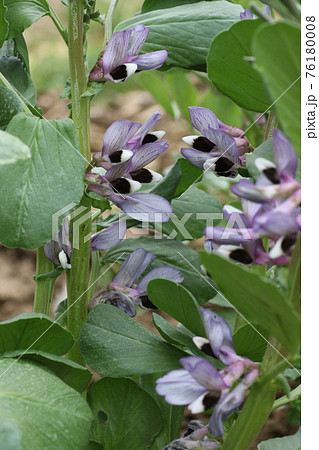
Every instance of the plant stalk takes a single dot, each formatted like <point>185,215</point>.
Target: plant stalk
<point>78,276</point>
<point>43,288</point>
<point>57,22</point>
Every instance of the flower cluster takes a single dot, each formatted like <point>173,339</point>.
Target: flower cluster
<point>121,57</point>
<point>125,291</point>
<point>201,385</point>
<point>270,210</point>
<point>220,148</point>
<point>120,169</point>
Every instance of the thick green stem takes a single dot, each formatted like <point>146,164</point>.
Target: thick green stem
<point>294,395</point>
<point>78,276</point>
<point>43,288</point>
<point>95,270</point>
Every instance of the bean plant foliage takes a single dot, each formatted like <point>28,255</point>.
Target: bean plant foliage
<point>213,252</point>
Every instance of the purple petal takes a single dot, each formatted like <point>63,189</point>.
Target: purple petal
<point>116,50</point>
<point>285,156</point>
<point>119,300</point>
<point>202,118</point>
<point>60,242</point>
<point>144,207</point>
<point>228,236</point>
<point>133,267</point>
<point>247,14</point>
<point>146,154</point>
<point>137,39</point>
<point>109,237</point>
<point>275,224</point>
<point>220,336</point>
<point>150,61</point>
<point>196,157</point>
<point>117,135</point>
<point>225,143</point>
<point>235,217</point>
<point>146,127</point>
<point>179,387</point>
<point>169,273</point>
<point>251,209</point>
<point>204,373</point>
<point>248,190</point>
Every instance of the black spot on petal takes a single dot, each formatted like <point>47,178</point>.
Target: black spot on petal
<point>203,144</point>
<point>272,175</point>
<point>116,157</point>
<point>121,186</point>
<point>206,348</point>
<point>146,302</point>
<point>223,165</point>
<point>211,399</point>
<point>241,255</point>
<point>149,138</point>
<point>288,242</point>
<point>119,73</point>
<point>142,175</point>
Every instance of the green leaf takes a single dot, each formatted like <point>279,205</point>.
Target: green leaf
<point>76,376</point>
<point>32,331</point>
<point>187,221</point>
<point>151,5</point>
<point>114,345</point>
<point>249,343</point>
<point>265,150</point>
<point>280,71</point>
<point>183,90</point>
<point>169,253</point>
<point>37,188</point>
<point>285,443</point>
<point>14,70</point>
<point>23,13</point>
<point>12,150</point>
<point>10,106</point>
<point>260,301</point>
<point>10,438</point>
<point>188,44</point>
<point>231,72</point>
<point>284,8</point>
<point>172,415</point>
<point>167,187</point>
<point>154,83</point>
<point>94,89</point>
<point>60,315</point>
<point>133,416</point>
<point>46,412</point>
<point>190,175</point>
<point>55,273</point>
<point>3,23</point>
<point>176,301</point>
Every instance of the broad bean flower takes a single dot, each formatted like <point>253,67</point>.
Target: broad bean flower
<point>59,249</point>
<point>120,169</point>
<point>121,57</point>
<point>200,385</point>
<point>126,291</point>
<point>219,148</point>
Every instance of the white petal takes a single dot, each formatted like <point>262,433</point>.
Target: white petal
<point>225,250</point>
<point>231,209</point>
<point>189,140</point>
<point>277,250</point>
<point>156,176</point>
<point>158,134</point>
<point>64,260</point>
<point>135,185</point>
<point>263,164</point>
<point>131,68</point>
<point>197,406</point>
<point>200,341</point>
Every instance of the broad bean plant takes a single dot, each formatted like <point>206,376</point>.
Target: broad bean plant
<point>221,252</point>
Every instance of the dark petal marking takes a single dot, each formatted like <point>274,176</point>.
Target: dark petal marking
<point>206,348</point>
<point>120,73</point>
<point>223,165</point>
<point>203,144</point>
<point>211,399</point>
<point>288,242</point>
<point>121,186</point>
<point>142,175</point>
<point>149,138</point>
<point>116,157</point>
<point>241,255</point>
<point>272,175</point>
<point>146,302</point>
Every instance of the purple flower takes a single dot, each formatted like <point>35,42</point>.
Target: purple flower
<point>219,146</point>
<point>121,169</point>
<point>125,291</point>
<point>109,238</point>
<point>247,14</point>
<point>277,180</point>
<point>59,249</point>
<point>200,385</point>
<point>121,57</point>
